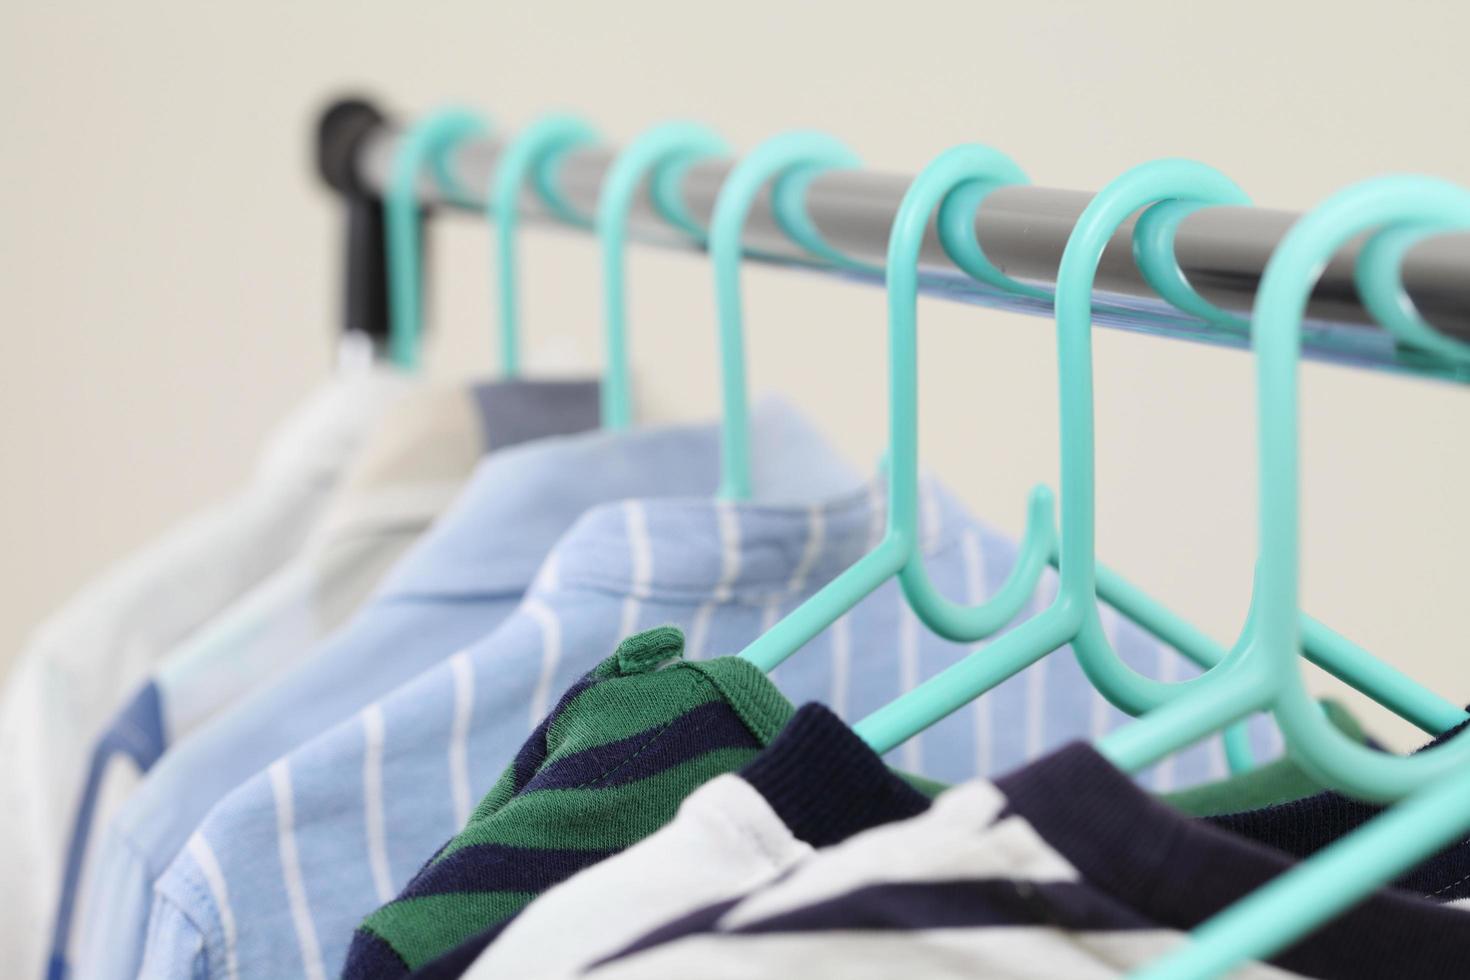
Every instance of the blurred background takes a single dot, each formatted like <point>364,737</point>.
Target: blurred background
<point>169,261</point>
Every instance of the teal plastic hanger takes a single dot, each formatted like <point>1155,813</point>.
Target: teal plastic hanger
<point>898,553</point>
<point>1261,671</point>
<point>795,153</point>
<point>899,547</point>
<point>1073,617</point>
<point>1380,284</point>
<point>534,154</point>
<point>428,141</point>
<point>667,150</point>
<point>1153,252</point>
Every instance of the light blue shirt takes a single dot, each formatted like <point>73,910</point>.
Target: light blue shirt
<point>455,586</point>
<point>278,876</point>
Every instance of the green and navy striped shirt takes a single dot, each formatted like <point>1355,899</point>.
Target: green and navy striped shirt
<point>607,767</point>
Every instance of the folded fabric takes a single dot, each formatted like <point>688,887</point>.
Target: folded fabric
<point>81,665</point>
<point>406,472</point>
<point>1065,868</point>
<point>816,785</point>
<point>609,766</point>
<point>455,587</point>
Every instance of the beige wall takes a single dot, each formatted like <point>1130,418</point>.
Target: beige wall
<point>169,288</point>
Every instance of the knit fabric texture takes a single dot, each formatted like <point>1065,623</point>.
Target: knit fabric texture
<point>607,767</point>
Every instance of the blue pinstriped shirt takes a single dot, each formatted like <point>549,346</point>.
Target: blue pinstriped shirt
<point>457,584</point>
<point>277,877</point>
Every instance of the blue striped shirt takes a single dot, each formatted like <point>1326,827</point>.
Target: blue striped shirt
<point>456,585</point>
<point>275,880</point>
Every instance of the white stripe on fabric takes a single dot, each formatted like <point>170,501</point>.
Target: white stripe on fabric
<point>699,631</point>
<point>1168,672</point>
<point>550,626</point>
<point>640,559</point>
<point>1036,683</point>
<point>306,938</point>
<point>975,845</point>
<point>462,670</point>
<point>929,500</point>
<point>908,670</point>
<point>640,548</point>
<point>550,575</point>
<point>877,514</point>
<point>729,525</point>
<point>372,799</point>
<point>841,664</point>
<point>816,535</point>
<point>632,609</point>
<point>770,612</point>
<point>203,856</point>
<point>1101,715</point>
<point>974,565</point>
<point>1219,765</point>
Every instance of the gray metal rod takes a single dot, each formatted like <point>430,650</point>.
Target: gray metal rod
<point>1023,230</point>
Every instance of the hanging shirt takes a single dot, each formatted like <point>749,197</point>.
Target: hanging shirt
<point>352,815</point>
<point>453,587</point>
<point>815,786</point>
<point>607,767</point>
<point>82,664</point>
<point>406,473</point>
<point>1065,868</point>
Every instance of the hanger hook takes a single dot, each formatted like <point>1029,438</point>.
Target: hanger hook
<point>1153,253</point>
<point>666,150</point>
<point>801,151</point>
<point>959,169</point>
<point>1142,186</point>
<point>1397,205</point>
<point>535,153</point>
<point>428,141</point>
<point>1379,276</point>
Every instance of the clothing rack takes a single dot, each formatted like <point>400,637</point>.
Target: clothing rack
<point>1022,230</point>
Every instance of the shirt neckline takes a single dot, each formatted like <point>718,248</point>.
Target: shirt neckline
<point>1180,872</point>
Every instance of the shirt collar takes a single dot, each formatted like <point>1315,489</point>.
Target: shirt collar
<point>319,438</point>
<point>421,454</point>
<point>519,502</point>
<point>1180,872</point>
<point>694,550</point>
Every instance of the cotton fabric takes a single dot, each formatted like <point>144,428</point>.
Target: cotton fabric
<point>347,819</point>
<point>82,664</point>
<point>406,472</point>
<point>454,587</point>
<point>1065,868</point>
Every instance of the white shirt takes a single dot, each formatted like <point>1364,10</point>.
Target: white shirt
<point>85,660</point>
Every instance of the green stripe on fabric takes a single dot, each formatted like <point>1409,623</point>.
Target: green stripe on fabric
<point>758,702</point>
<point>612,711</point>
<point>609,817</point>
<point>420,929</point>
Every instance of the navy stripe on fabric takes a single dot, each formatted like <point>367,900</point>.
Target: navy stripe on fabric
<point>501,867</point>
<point>454,963</point>
<point>700,730</point>
<point>370,958</point>
<point>691,924</point>
<point>969,904</point>
<point>534,750</point>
